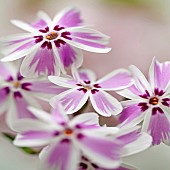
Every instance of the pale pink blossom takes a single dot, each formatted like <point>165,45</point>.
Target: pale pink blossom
<point>83,85</point>
<point>51,45</point>
<point>149,101</point>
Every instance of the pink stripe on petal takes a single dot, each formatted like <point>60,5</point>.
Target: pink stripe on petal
<point>159,74</point>
<point>129,137</point>
<point>130,113</point>
<point>58,114</point>
<point>97,149</point>
<point>45,87</point>
<point>12,42</point>
<point>45,62</point>
<point>32,135</point>
<point>87,35</point>
<point>70,18</point>
<point>41,62</point>
<point>105,104</point>
<point>88,43</point>
<point>87,75</point>
<point>159,128</point>
<point>39,24</point>
<point>62,156</point>
<point>134,90</point>
<point>24,47</point>
<point>86,121</point>
<point>72,100</point>
<point>116,80</point>
<point>22,108</point>
<point>67,55</point>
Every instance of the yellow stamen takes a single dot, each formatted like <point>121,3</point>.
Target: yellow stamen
<point>52,36</point>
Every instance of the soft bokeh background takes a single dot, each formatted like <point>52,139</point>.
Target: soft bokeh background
<point>139,30</point>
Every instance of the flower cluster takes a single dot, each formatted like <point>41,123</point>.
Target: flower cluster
<point>68,138</point>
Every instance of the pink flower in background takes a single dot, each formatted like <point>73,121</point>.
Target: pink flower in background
<point>17,93</point>
<point>52,45</point>
<point>150,101</point>
<point>67,140</point>
<point>83,85</point>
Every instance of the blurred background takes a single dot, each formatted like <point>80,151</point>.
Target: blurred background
<point>139,30</point>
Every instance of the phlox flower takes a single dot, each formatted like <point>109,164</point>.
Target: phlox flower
<point>17,93</point>
<point>66,141</point>
<point>51,45</point>
<point>83,85</point>
<point>149,101</point>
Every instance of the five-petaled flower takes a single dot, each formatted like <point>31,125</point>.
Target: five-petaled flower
<point>150,101</point>
<point>66,141</point>
<point>17,93</point>
<point>52,45</point>
<point>84,85</point>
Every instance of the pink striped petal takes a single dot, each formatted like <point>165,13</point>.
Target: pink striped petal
<point>87,41</point>
<point>72,100</point>
<point>19,50</point>
<point>67,82</point>
<point>140,81</point>
<point>131,113</point>
<point>131,92</point>
<point>58,114</point>
<point>62,156</point>
<point>159,74</point>
<point>69,17</point>
<point>129,137</point>
<point>133,146</point>
<point>105,104</point>
<point>43,20</point>
<point>22,107</point>
<point>159,128</point>
<point>116,80</point>
<point>70,55</point>
<point>87,120</point>
<point>39,24</point>
<point>103,152</point>
<point>34,138</point>
<point>40,62</point>
<point>45,87</point>
<point>87,75</point>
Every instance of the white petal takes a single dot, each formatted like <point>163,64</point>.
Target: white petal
<point>23,25</point>
<point>63,81</point>
<point>143,142</point>
<point>105,104</point>
<point>116,80</point>
<point>72,100</point>
<point>86,118</point>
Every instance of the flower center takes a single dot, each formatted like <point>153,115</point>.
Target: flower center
<point>68,132</point>
<point>153,101</point>
<point>87,87</point>
<point>16,84</point>
<point>52,36</point>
